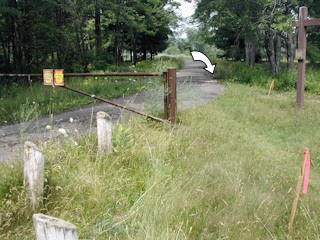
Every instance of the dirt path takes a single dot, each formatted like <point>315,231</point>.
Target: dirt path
<point>194,88</point>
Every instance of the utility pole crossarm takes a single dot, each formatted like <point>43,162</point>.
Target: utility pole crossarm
<point>305,23</point>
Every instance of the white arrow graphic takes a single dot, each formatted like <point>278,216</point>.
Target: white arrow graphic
<point>199,56</point>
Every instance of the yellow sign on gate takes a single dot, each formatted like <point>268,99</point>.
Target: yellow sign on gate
<point>58,77</point>
<point>47,76</point>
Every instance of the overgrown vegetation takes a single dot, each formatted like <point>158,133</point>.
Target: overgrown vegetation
<point>260,75</point>
<point>32,99</point>
<point>227,170</point>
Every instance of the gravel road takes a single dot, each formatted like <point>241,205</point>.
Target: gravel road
<point>195,87</point>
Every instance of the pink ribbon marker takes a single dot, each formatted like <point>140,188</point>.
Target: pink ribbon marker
<point>307,172</point>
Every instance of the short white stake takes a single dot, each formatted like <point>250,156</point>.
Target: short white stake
<point>104,131</point>
<point>33,172</point>
<point>50,228</point>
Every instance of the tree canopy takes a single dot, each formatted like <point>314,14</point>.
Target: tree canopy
<point>80,34</point>
<point>250,29</point>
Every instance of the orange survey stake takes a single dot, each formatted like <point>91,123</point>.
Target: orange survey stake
<point>47,76</point>
<point>59,77</point>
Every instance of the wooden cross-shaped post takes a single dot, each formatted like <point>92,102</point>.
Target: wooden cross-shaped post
<point>301,52</point>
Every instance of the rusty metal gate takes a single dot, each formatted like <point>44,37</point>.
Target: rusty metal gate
<point>170,90</point>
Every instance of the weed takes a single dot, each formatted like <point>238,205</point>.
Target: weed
<point>123,139</point>
<point>226,171</point>
<point>260,76</point>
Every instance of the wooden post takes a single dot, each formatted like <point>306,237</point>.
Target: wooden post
<point>50,228</point>
<point>302,23</point>
<point>166,96</point>
<point>172,86</point>
<point>298,189</point>
<point>104,131</point>
<point>33,173</point>
<point>303,14</point>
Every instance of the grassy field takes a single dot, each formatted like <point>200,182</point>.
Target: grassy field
<point>228,170</point>
<point>20,102</point>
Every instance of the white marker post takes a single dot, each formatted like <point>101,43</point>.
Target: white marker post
<point>50,228</point>
<point>104,132</point>
<point>33,172</point>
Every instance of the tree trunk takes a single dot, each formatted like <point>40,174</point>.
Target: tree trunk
<point>235,54</point>
<point>119,55</point>
<point>84,60</point>
<point>291,41</point>
<point>5,53</point>
<point>15,38</point>
<point>250,50</point>
<point>134,47</point>
<point>291,46</point>
<point>273,49</point>
<point>27,37</point>
<point>144,52</point>
<point>98,29</point>
<point>60,15</point>
<point>272,55</point>
<point>278,52</point>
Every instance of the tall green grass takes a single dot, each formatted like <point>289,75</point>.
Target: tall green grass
<point>260,75</point>
<point>227,170</point>
<point>19,100</point>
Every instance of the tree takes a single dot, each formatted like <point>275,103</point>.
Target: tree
<point>247,26</point>
<point>153,37</point>
<point>276,24</point>
<point>236,17</point>
<point>313,45</point>
<point>76,34</point>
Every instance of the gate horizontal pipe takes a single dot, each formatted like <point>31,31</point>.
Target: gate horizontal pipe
<point>117,74</point>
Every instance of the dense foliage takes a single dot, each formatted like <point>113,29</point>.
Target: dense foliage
<point>260,76</point>
<point>251,30</point>
<point>83,34</point>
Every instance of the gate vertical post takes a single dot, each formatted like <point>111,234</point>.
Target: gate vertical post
<point>166,96</point>
<point>172,87</point>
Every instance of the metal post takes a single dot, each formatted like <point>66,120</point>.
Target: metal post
<point>166,96</point>
<point>303,14</point>
<point>172,86</point>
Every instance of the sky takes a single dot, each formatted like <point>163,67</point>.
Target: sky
<point>186,10</point>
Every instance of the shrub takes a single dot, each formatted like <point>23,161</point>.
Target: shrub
<point>260,76</point>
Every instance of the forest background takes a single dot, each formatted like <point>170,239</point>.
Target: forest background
<point>81,35</point>
<point>88,35</point>
<point>253,31</point>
